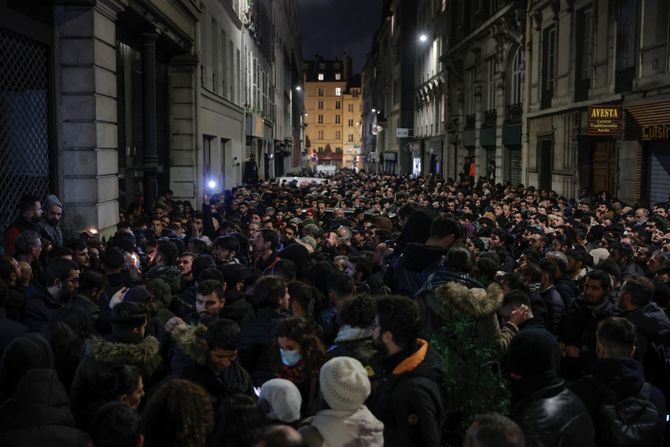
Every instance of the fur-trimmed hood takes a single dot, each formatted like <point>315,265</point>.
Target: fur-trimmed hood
<point>476,302</point>
<point>142,353</point>
<point>191,341</point>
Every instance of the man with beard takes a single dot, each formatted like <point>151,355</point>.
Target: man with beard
<point>209,301</point>
<point>50,226</point>
<point>265,250</point>
<point>30,212</point>
<point>185,270</point>
<point>61,278</point>
<point>406,396</point>
<point>215,365</point>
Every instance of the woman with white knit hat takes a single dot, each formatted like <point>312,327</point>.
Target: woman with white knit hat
<point>347,422</point>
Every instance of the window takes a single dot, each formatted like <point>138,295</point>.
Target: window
<point>491,84</point>
<point>320,77</point>
<point>355,93</point>
<point>337,119</point>
<point>350,107</point>
<point>515,88</point>
<point>338,91</point>
<point>351,123</point>
<point>338,76</point>
<point>320,135</point>
<point>320,105</point>
<point>584,43</point>
<point>320,119</point>
<point>320,91</point>
<point>338,135</point>
<point>338,104</point>
<point>548,64</point>
<point>351,137</point>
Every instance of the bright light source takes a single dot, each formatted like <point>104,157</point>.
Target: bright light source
<point>423,37</point>
<point>374,110</point>
<point>92,230</point>
<point>298,88</point>
<point>211,184</point>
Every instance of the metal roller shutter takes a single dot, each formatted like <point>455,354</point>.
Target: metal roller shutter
<point>659,171</point>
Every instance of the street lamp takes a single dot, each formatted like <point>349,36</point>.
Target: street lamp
<point>423,37</point>
<point>298,88</point>
<point>374,110</point>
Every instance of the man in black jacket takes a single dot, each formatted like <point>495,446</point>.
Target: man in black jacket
<point>406,394</point>
<point>548,413</point>
<point>616,373</point>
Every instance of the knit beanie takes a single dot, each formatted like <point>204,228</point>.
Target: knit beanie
<point>344,383</point>
<point>52,200</point>
<point>533,353</point>
<point>281,400</point>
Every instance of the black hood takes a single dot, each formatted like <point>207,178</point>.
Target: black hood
<point>21,355</point>
<point>624,375</point>
<point>39,399</point>
<point>417,257</point>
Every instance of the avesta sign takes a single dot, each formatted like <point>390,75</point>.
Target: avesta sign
<point>604,120</point>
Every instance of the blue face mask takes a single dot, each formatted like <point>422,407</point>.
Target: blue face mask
<point>290,358</point>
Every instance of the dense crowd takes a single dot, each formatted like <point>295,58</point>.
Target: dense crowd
<point>364,310</point>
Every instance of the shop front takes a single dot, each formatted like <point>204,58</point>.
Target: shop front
<point>648,125</point>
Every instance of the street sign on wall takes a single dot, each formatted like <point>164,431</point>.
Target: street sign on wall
<point>403,132</point>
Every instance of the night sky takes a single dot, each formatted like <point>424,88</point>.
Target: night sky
<point>330,27</point>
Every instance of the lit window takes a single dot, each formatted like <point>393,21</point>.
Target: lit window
<point>338,76</point>
<point>320,76</point>
<point>338,91</point>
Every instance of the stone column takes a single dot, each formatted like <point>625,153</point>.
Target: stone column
<point>86,68</point>
<point>185,167</point>
<point>151,167</point>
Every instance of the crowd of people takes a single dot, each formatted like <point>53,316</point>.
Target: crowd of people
<point>364,310</point>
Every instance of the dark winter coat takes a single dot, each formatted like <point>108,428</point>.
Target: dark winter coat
<point>555,309</point>
<point>101,354</point>
<point>237,308</point>
<point>414,266</point>
<point>38,414</point>
<point>568,290</point>
<point>649,320</point>
<point>407,397</point>
<point>258,345</point>
<point>219,384</point>
<point>39,308</point>
<point>17,227</point>
<point>9,330</point>
<point>579,329</point>
<point>554,416</point>
<point>362,349</point>
<point>622,375</point>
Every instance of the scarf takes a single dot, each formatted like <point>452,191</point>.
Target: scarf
<point>348,333</point>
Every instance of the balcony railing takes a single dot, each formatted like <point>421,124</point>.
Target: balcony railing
<point>513,113</point>
<point>489,118</point>
<point>470,121</point>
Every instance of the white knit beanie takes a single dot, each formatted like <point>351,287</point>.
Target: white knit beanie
<point>282,399</point>
<point>344,383</point>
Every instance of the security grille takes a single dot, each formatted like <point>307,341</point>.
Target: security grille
<point>24,122</point>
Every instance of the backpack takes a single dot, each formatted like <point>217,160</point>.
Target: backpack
<point>633,421</point>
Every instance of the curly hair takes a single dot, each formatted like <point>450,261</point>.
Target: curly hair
<point>178,414</point>
<point>357,312</point>
<point>304,333</point>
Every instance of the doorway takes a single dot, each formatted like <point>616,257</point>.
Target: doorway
<point>603,162</point>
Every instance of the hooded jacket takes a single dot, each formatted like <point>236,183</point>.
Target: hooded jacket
<point>38,414</point>
<point>219,384</point>
<point>20,225</point>
<point>99,356</point>
<point>478,303</point>
<point>407,398</point>
<point>623,375</point>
